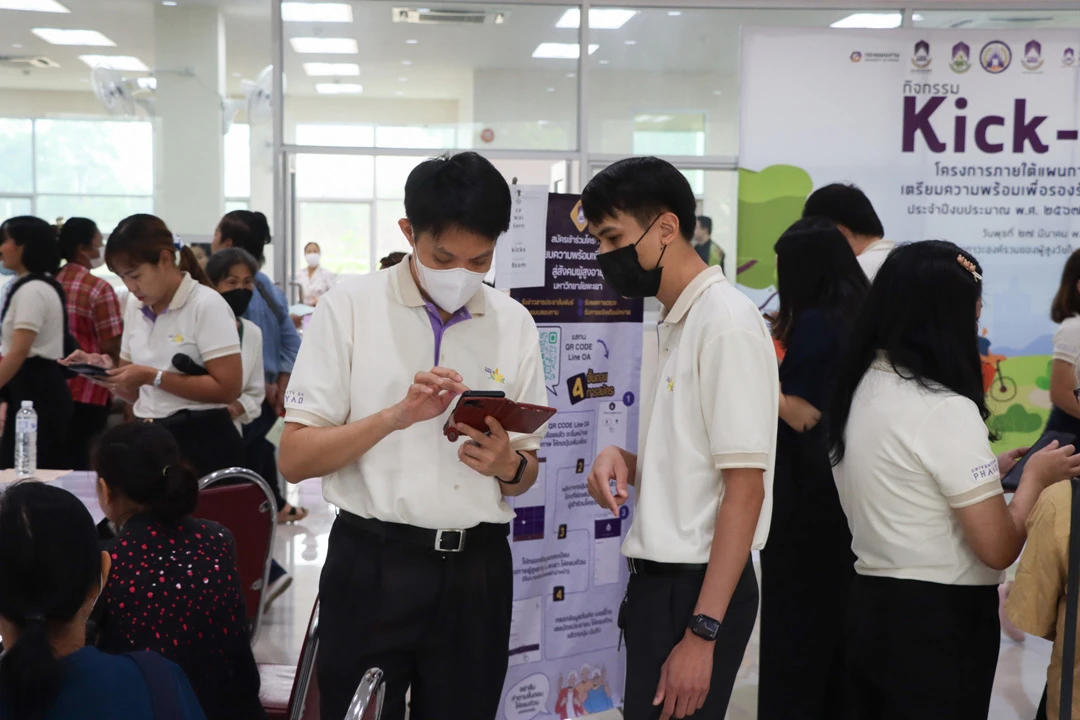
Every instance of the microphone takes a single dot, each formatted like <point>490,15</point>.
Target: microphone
<point>186,365</point>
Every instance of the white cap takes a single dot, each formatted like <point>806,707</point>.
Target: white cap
<point>27,404</point>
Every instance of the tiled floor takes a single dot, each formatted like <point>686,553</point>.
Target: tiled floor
<point>301,548</point>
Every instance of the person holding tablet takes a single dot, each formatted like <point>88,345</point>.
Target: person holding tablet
<point>173,310</point>
<point>418,577</point>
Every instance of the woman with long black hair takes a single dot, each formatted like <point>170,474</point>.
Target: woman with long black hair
<point>921,490</point>
<point>33,327</point>
<point>807,565</point>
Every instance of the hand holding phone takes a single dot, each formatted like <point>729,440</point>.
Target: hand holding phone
<point>475,407</point>
<point>88,370</point>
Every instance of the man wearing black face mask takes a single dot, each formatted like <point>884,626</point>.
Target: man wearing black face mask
<point>703,473</point>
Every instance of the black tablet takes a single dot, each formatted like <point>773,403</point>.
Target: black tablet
<point>1012,480</point>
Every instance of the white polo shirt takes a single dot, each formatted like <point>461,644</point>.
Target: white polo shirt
<point>874,255</point>
<point>712,407</point>
<point>251,359</point>
<point>1067,345</point>
<point>367,340</point>
<point>913,455</point>
<point>37,307</point>
<point>198,323</point>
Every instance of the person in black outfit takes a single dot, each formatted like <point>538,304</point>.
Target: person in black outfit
<point>174,588</point>
<point>33,329</point>
<point>807,565</point>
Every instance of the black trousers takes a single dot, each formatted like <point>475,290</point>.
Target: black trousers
<point>658,611</point>
<point>439,622</point>
<point>207,438</point>
<point>87,426</point>
<point>921,650</point>
<point>43,382</point>
<point>259,454</point>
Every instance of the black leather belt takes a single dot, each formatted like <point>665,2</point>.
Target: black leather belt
<point>648,567</point>
<point>445,541</point>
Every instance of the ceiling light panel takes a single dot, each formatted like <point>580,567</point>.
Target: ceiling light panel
<point>33,6</point>
<point>116,62</point>
<point>871,21</point>
<point>338,88</point>
<point>316,12</point>
<point>324,46</point>
<point>318,69</point>
<point>59,36</point>
<point>599,18</point>
<point>561,51</point>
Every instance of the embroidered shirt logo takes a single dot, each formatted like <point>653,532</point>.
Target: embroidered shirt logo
<point>177,338</point>
<point>670,385</point>
<point>496,375</point>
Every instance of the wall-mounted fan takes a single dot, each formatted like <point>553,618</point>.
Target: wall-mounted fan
<point>121,96</point>
<point>258,101</point>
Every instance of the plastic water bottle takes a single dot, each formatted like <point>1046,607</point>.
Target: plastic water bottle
<point>26,441</point>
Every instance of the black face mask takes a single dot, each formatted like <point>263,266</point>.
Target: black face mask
<point>624,273</point>
<point>238,300</point>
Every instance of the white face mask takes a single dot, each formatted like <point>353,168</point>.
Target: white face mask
<point>96,262</point>
<point>312,259</point>
<point>449,289</point>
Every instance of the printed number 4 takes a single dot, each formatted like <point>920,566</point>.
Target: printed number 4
<point>578,390</point>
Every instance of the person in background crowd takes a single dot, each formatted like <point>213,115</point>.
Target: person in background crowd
<point>232,272</point>
<point>807,565</point>
<point>270,311</point>
<point>391,260</point>
<point>174,588</point>
<point>922,493</point>
<point>849,208</point>
<point>418,578</point>
<point>315,280</point>
<point>703,474</point>
<point>1065,371</point>
<point>51,573</point>
<point>174,312</point>
<point>707,250</point>
<point>97,322</point>
<point>199,251</point>
<point>33,327</point>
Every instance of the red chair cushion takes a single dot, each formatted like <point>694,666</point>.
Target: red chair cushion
<point>277,684</point>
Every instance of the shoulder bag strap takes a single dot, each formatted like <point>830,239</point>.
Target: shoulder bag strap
<point>161,683</point>
<point>1068,642</point>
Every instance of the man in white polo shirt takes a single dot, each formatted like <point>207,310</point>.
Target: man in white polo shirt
<point>847,207</point>
<point>703,475</point>
<point>418,578</point>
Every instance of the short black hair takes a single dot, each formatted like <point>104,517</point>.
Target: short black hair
<point>458,191</point>
<point>221,262</point>
<point>845,205</point>
<point>37,238</point>
<point>142,462</point>
<point>644,188</point>
<point>76,233</point>
<point>706,222</point>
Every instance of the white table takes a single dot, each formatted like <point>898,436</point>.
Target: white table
<point>81,484</point>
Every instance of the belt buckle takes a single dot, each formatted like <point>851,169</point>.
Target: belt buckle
<point>440,534</point>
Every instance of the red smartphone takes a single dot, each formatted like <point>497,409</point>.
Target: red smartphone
<point>475,406</point>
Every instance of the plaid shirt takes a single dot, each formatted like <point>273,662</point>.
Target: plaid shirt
<point>93,315</point>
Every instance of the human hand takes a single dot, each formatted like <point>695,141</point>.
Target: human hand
<point>1007,460</point>
<point>685,678</point>
<point>279,393</point>
<point>272,394</point>
<point>428,397</point>
<point>609,464</point>
<point>1052,464</point>
<point>80,357</point>
<point>799,414</point>
<point>236,410</point>
<point>125,382</point>
<point>489,453</point>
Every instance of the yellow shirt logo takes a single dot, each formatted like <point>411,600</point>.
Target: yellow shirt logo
<point>498,376</point>
<point>177,338</point>
<point>670,385</point>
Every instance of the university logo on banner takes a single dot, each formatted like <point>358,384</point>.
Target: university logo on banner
<point>961,58</point>
<point>921,59</point>
<point>995,57</point>
<point>1033,59</point>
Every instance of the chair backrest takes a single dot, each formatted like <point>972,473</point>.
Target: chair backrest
<point>242,501</point>
<point>304,700</point>
<point>367,703</point>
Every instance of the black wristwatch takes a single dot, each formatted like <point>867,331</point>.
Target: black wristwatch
<point>705,627</point>
<point>520,471</point>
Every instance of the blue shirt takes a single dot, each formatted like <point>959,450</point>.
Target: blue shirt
<point>96,685</point>
<point>281,342</point>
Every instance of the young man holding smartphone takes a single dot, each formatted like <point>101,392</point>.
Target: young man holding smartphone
<point>703,474</point>
<point>418,578</point>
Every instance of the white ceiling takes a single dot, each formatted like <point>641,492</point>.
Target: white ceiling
<point>444,59</point>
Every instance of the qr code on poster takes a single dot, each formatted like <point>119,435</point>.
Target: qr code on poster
<point>550,340</point>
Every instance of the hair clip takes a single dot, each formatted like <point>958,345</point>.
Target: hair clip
<point>165,471</point>
<point>969,266</point>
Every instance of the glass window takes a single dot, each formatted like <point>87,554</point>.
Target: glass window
<point>346,177</point>
<point>996,19</point>
<point>238,161</point>
<point>12,207</point>
<point>342,230</point>
<point>231,205</point>
<point>443,76</point>
<point>95,156</point>
<point>16,155</point>
<point>107,212</point>
<point>391,173</point>
<point>388,236</point>
<point>335,135</point>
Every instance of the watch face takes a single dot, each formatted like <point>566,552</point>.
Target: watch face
<point>705,627</point>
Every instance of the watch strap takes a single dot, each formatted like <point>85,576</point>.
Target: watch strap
<point>520,471</point>
<point>157,378</point>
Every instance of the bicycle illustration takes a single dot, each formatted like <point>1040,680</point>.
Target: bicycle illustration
<point>1003,388</point>
<point>998,386</point>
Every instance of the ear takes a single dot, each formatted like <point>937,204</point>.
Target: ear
<point>669,228</point>
<point>407,231</point>
<point>167,258</point>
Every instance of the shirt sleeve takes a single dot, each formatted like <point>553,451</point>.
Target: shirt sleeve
<point>215,328</point>
<point>809,358</point>
<point>530,389</point>
<point>319,393</point>
<point>954,447</point>
<point>1040,579</point>
<point>1067,341</point>
<point>29,305</point>
<point>254,378</point>
<point>740,398</point>
<point>108,318</point>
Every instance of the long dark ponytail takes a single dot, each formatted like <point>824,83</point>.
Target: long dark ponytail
<point>49,566</point>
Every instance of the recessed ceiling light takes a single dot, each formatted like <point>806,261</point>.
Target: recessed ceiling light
<point>399,92</point>
<point>168,3</point>
<point>17,46</point>
<point>599,18</point>
<point>406,62</point>
<point>717,92</point>
<point>631,42</point>
<point>59,36</point>
<point>325,46</point>
<point>411,41</point>
<point>338,88</point>
<point>674,13</point>
<point>570,75</point>
<point>116,62</point>
<point>403,79</point>
<point>871,21</point>
<point>561,51</point>
<point>239,75</point>
<point>551,89</point>
<point>33,6</point>
<point>605,62</point>
<point>316,12</point>
<point>318,69</point>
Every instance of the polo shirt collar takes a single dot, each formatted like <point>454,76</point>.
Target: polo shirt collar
<point>408,293</point>
<point>180,298</point>
<point>704,280</point>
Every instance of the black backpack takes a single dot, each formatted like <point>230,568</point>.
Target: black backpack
<point>70,343</point>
